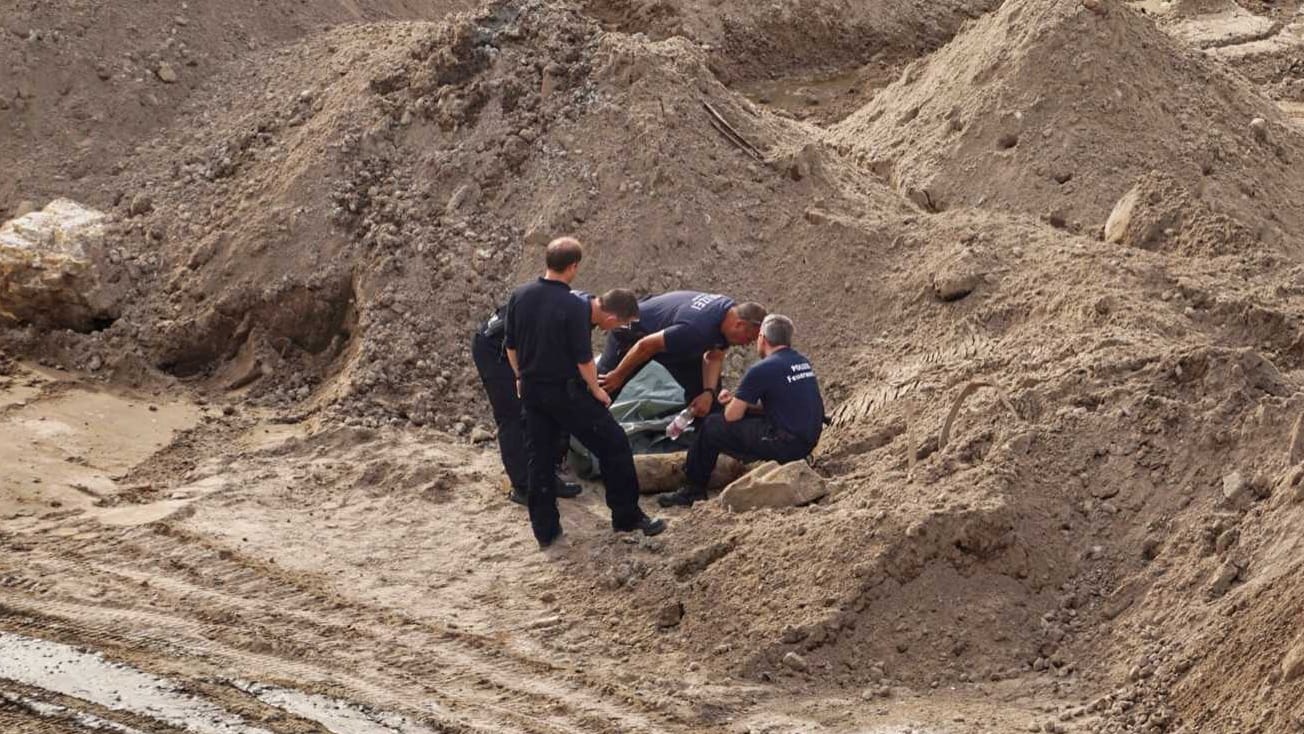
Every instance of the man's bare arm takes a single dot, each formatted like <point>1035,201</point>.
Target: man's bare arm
<point>516,370</point>
<point>589,371</point>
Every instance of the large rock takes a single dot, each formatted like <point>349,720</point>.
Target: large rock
<point>665,472</point>
<point>47,272</point>
<point>775,485</point>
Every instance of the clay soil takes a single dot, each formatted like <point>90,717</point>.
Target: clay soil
<point>1066,470</point>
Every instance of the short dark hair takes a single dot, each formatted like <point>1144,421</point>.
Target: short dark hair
<point>562,253</point>
<point>619,302</point>
<point>752,313</point>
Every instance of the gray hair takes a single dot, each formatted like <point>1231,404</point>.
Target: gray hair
<point>778,330</point>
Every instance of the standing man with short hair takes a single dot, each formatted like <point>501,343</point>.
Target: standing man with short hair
<point>688,333</point>
<point>616,307</point>
<point>547,340</point>
<point>777,414</point>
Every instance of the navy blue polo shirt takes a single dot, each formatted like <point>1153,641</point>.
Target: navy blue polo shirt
<point>495,327</point>
<point>785,385</point>
<point>548,326</point>
<point>691,322</point>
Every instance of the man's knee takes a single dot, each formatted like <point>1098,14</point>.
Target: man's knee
<point>713,427</point>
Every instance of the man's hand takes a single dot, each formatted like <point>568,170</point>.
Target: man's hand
<point>610,381</point>
<point>601,396</point>
<point>725,396</point>
<point>701,404</point>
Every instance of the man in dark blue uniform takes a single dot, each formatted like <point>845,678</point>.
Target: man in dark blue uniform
<point>547,340</point>
<point>686,332</point>
<point>777,414</point>
<point>616,307</point>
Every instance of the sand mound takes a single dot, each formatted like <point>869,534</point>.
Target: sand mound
<point>85,83</point>
<point>336,221</point>
<point>1059,110</point>
<point>750,40</point>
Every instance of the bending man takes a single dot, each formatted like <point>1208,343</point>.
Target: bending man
<point>548,345</point>
<point>688,333</point>
<point>777,414</point>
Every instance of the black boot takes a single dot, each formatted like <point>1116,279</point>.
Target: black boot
<point>518,496</point>
<point>543,545</point>
<point>684,497</point>
<point>567,490</point>
<point>649,525</point>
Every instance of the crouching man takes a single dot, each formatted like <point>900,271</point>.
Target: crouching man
<point>776,414</point>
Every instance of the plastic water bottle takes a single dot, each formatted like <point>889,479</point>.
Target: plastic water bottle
<point>679,424</point>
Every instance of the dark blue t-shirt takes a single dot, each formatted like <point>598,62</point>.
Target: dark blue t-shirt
<point>548,326</point>
<point>495,327</point>
<point>785,385</point>
<point>691,322</point>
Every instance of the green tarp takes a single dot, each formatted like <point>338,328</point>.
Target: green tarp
<point>646,406</point>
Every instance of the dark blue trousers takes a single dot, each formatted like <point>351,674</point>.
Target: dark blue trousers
<point>753,438</point>
<point>553,409</point>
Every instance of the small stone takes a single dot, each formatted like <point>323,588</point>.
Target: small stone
<point>95,363</point>
<point>480,435</point>
<point>1259,127</point>
<point>545,622</point>
<point>954,285</point>
<point>166,73</point>
<point>1223,579</point>
<point>1227,539</point>
<point>547,597</point>
<point>140,204</point>
<point>1236,491</point>
<point>1150,548</point>
<point>670,615</point>
<point>794,661</point>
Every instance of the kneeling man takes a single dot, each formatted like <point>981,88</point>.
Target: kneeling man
<point>777,414</point>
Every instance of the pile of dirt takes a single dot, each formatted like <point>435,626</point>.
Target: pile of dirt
<point>85,82</point>
<point>360,201</point>
<point>749,40</point>
<point>1065,106</point>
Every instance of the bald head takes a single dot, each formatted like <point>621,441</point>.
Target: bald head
<point>563,253</point>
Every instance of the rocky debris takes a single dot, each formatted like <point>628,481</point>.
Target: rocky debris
<point>50,269</point>
<point>480,435</point>
<point>1239,492</point>
<point>701,558</point>
<point>795,662</point>
<point>665,472</point>
<point>166,73</point>
<point>140,204</point>
<point>953,285</point>
<point>670,615</point>
<point>1223,579</point>
<point>774,485</point>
